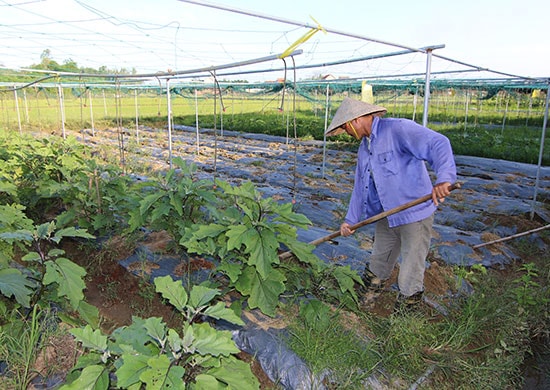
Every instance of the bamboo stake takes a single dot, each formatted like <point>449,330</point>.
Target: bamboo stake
<point>377,217</point>
<point>511,237</point>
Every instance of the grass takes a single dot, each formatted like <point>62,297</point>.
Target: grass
<point>481,344</point>
<point>21,343</point>
<point>331,348</point>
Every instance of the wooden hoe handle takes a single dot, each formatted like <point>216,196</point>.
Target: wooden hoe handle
<point>370,220</point>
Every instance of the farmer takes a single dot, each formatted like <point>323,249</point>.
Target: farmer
<point>391,171</point>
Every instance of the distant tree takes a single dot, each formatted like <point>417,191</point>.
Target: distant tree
<point>70,66</point>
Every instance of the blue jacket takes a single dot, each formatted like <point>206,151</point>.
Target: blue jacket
<point>399,150</point>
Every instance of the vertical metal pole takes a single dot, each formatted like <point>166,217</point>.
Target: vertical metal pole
<point>90,98</point>
<point>221,116</point>
<point>62,109</point>
<point>505,114</point>
<point>104,104</point>
<point>137,115</point>
<point>169,116</point>
<point>26,106</point>
<point>324,132</point>
<point>427,86</point>
<point>529,111</point>
<point>17,109</point>
<point>415,102</point>
<point>197,120</point>
<point>542,138</point>
<point>467,105</point>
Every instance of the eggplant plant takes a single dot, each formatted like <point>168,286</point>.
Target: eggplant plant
<point>149,354</point>
<point>46,275</point>
<point>246,232</point>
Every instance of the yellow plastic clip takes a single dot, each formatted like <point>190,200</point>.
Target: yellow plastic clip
<point>303,39</point>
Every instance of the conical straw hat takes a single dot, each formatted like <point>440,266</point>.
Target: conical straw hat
<point>349,110</point>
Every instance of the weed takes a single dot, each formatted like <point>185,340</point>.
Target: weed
<point>333,350</point>
<point>471,274</point>
<point>527,289</point>
<point>21,342</point>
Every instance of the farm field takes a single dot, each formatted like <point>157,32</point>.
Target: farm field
<point>170,204</point>
<point>494,201</point>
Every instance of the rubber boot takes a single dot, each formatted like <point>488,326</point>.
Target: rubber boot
<point>372,290</point>
<point>408,304</point>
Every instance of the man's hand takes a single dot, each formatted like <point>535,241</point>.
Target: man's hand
<point>345,229</point>
<point>439,192</point>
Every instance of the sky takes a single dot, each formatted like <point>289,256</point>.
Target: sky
<point>504,36</point>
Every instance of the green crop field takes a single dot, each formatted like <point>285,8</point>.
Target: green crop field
<point>504,125</point>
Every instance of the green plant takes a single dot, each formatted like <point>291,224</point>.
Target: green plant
<point>56,179</point>
<point>171,201</point>
<point>471,274</point>
<point>245,234</point>
<point>22,341</point>
<point>12,218</point>
<point>330,347</point>
<point>100,199</point>
<point>527,289</point>
<point>148,353</point>
<point>48,276</point>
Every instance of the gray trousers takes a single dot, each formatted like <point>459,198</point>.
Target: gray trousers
<point>412,242</point>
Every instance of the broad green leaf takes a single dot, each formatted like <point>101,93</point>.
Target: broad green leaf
<point>285,214</point>
<point>201,295</point>
<point>177,203</point>
<point>55,252</point>
<point>220,312</point>
<point>130,370</point>
<point>237,235</point>
<point>175,342</point>
<point>89,313</point>
<point>90,338</point>
<point>72,232</point>
<point>132,337</point>
<point>91,378</point>
<point>303,251</point>
<point>31,256</point>
<point>13,282</point>
<point>211,230</point>
<point>88,359</point>
<point>162,375</point>
<point>263,294</point>
<point>20,235</point>
<point>8,188</point>
<point>172,290</point>
<point>69,278</point>
<point>188,339</point>
<point>232,270</point>
<point>286,231</point>
<point>149,200</point>
<point>160,210</point>
<point>208,382</point>
<point>13,217</point>
<point>156,329</point>
<point>237,374</point>
<point>169,175</point>
<point>45,230</point>
<point>209,341</point>
<point>262,247</point>
<point>345,277</point>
